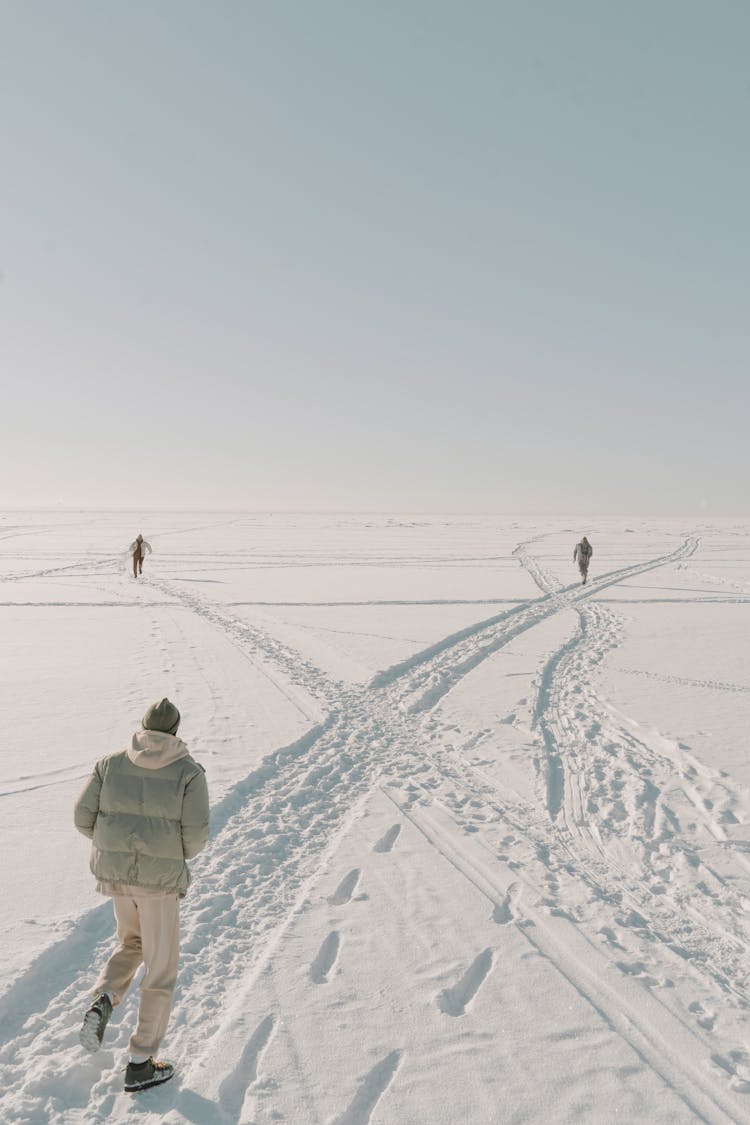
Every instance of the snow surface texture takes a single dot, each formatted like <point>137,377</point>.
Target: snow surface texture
<point>480,834</point>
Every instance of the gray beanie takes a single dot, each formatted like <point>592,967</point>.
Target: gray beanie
<point>162,716</point>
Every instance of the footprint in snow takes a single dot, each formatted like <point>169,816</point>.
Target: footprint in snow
<point>706,1019</point>
<point>386,841</point>
<point>737,1066</point>
<point>371,1090</point>
<point>345,889</point>
<point>610,937</point>
<point>235,1086</point>
<point>325,959</point>
<point>639,970</point>
<point>453,1001</point>
<point>506,911</point>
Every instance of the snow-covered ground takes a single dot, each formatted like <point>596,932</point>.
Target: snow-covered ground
<point>480,842</point>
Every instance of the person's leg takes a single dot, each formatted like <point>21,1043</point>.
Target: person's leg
<point>135,565</point>
<point>160,932</point>
<point>118,973</point>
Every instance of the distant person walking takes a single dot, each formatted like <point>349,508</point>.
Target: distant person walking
<point>146,812</point>
<point>139,548</point>
<point>582,555</point>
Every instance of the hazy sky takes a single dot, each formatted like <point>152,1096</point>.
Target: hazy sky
<point>384,254</point>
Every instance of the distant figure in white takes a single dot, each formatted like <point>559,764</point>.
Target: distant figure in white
<point>139,548</point>
<point>582,555</point>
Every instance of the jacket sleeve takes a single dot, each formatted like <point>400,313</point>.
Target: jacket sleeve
<point>87,805</point>
<point>195,817</point>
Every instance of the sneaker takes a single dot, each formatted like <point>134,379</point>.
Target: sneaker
<point>140,1076</point>
<point>94,1023</point>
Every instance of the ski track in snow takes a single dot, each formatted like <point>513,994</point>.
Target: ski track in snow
<point>286,669</point>
<point>620,794</point>
<point>610,821</point>
<point>93,565</point>
<point>662,1037</point>
<point>45,779</point>
<point>686,681</point>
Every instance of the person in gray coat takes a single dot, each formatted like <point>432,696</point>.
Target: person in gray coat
<point>139,548</point>
<point>582,553</point>
<point>146,813</point>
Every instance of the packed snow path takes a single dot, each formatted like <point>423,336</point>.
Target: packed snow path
<point>615,875</point>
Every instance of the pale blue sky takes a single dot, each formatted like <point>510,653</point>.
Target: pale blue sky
<point>413,255</point>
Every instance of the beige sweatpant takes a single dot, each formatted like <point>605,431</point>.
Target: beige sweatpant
<point>148,929</point>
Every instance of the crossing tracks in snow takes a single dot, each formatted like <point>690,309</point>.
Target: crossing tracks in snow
<point>603,825</point>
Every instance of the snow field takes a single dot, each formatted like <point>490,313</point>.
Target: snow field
<point>456,871</point>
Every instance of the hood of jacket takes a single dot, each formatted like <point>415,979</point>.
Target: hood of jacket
<point>153,749</point>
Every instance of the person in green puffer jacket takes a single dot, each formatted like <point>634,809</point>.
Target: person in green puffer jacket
<point>146,812</point>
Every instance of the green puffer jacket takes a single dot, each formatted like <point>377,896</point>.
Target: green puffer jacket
<point>146,811</point>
